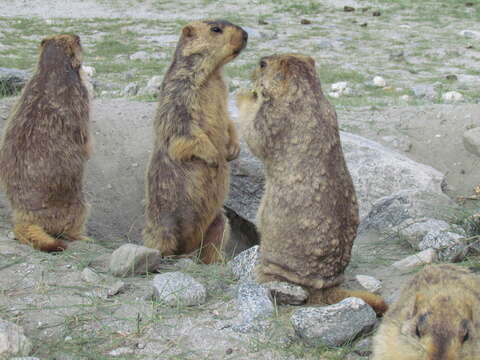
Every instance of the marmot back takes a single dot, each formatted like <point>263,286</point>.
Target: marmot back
<point>45,145</point>
<point>188,174</point>
<point>437,317</point>
<point>308,215</point>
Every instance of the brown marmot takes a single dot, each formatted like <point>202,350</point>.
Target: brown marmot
<point>308,216</point>
<point>45,145</point>
<point>437,317</point>
<point>188,175</point>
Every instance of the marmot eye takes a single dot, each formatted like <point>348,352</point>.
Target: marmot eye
<point>263,64</point>
<point>216,29</point>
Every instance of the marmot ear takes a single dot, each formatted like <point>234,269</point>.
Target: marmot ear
<point>188,31</point>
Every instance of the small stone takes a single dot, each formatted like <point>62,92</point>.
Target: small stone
<point>413,230</point>
<point>452,96</point>
<point>423,90</point>
<point>335,95</point>
<point>449,245</point>
<point>348,8</point>
<point>364,24</point>
<point>334,325</point>
<point>405,98</point>
<point>116,288</point>
<point>229,351</point>
<point>11,235</point>
<point>131,89</point>
<point>153,86</point>
<point>176,288</point>
<point>130,259</point>
<point>471,140</point>
<point>88,275</point>
<point>305,22</point>
<point>121,351</point>
<point>140,55</point>
<point>89,70</point>
<point>376,13</point>
<point>424,257</point>
<point>451,77</point>
<point>369,283</point>
<point>339,86</point>
<point>287,294</point>
<point>363,347</point>
<point>244,263</point>
<point>254,304</point>
<point>262,22</point>
<point>469,4</point>
<point>13,340</point>
<point>379,81</point>
<point>471,34</point>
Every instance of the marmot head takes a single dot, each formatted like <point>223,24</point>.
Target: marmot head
<point>285,77</point>
<point>59,50</point>
<point>210,44</point>
<point>439,327</point>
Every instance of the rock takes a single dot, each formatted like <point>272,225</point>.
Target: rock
<point>131,89</point>
<point>451,77</point>
<point>369,283</point>
<point>334,94</point>
<point>256,34</point>
<point>254,304</point>
<point>89,70</point>
<point>117,288</point>
<point>13,340</point>
<point>339,87</point>
<point>402,144</point>
<point>449,245</point>
<point>176,288</point>
<point>452,96</point>
<point>12,80</point>
<point>140,55</point>
<point>153,86</point>
<point>262,22</point>
<point>376,13</point>
<point>287,294</point>
<point>363,347</point>
<point>424,257</point>
<point>391,211</point>
<point>305,22</point>
<point>88,275</point>
<point>405,98</point>
<point>244,263</point>
<point>334,325</point>
<point>413,230</point>
<point>130,259</point>
<point>348,8</point>
<point>471,34</point>
<point>424,91</point>
<point>184,263</point>
<point>378,171</point>
<point>471,140</point>
<point>379,81</point>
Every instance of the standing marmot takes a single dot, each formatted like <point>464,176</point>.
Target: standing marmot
<point>188,175</point>
<point>437,317</point>
<point>308,216</point>
<point>44,149</point>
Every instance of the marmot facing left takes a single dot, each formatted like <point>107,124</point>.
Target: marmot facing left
<point>308,216</point>
<point>437,317</point>
<point>188,174</point>
<point>45,145</point>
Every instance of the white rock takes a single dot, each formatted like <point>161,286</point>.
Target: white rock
<point>449,246</point>
<point>452,96</point>
<point>88,275</point>
<point>131,89</point>
<point>13,340</point>
<point>334,94</point>
<point>340,86</point>
<point>405,97</point>
<point>471,34</point>
<point>255,305</point>
<point>89,70</point>
<point>424,257</point>
<point>471,140</point>
<point>116,288</point>
<point>244,263</point>
<point>176,288</point>
<point>379,81</point>
<point>369,283</point>
<point>131,259</point>
<point>153,86</point>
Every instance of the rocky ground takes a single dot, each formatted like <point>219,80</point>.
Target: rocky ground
<point>404,76</point>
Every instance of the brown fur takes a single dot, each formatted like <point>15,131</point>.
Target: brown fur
<point>308,216</point>
<point>188,175</point>
<point>44,149</point>
<point>437,317</point>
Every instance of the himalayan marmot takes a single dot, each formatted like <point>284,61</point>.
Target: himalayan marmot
<point>45,146</point>
<point>308,216</point>
<point>437,317</point>
<point>188,174</point>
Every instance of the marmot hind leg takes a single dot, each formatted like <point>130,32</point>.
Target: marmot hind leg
<point>37,237</point>
<point>160,238</point>
<point>216,236</point>
<point>335,294</point>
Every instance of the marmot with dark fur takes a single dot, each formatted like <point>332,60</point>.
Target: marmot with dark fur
<point>308,216</point>
<point>437,317</point>
<point>188,175</point>
<point>45,146</point>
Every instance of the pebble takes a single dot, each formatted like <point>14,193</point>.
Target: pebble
<point>369,283</point>
<point>176,288</point>
<point>424,257</point>
<point>131,259</point>
<point>13,340</point>
<point>287,294</point>
<point>379,81</point>
<point>452,96</point>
